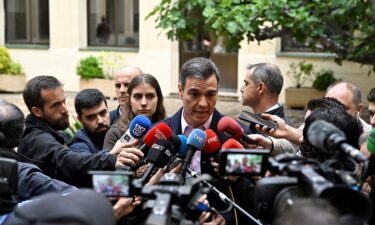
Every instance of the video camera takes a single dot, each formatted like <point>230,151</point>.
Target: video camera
<point>8,185</point>
<point>298,177</point>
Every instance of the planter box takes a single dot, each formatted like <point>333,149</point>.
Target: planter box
<point>12,83</point>
<point>106,86</point>
<point>299,97</point>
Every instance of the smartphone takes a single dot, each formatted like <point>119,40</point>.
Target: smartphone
<point>248,162</point>
<point>112,183</point>
<point>254,119</point>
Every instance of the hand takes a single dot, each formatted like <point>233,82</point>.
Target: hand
<point>129,157</point>
<point>125,205</point>
<point>122,145</point>
<point>279,132</point>
<point>155,179</point>
<point>263,141</point>
<point>141,170</point>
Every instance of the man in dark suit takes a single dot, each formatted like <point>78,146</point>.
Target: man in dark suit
<point>198,88</point>
<point>122,81</point>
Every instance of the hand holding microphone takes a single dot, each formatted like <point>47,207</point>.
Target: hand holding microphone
<point>137,129</point>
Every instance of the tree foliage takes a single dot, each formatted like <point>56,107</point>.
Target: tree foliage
<point>343,27</point>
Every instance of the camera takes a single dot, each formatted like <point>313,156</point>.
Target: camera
<point>112,183</point>
<point>246,162</point>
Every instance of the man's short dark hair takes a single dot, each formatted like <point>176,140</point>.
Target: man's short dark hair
<point>371,95</point>
<point>338,117</point>
<point>198,67</point>
<point>32,94</point>
<point>269,74</point>
<point>87,99</point>
<point>11,124</point>
<point>325,103</point>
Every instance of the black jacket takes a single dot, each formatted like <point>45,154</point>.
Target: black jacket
<point>48,147</point>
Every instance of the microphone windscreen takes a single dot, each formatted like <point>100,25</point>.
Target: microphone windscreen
<point>160,131</point>
<point>160,153</point>
<point>230,127</point>
<point>175,141</point>
<point>371,142</point>
<point>183,147</point>
<point>139,126</point>
<point>319,131</point>
<point>212,143</point>
<point>232,143</point>
<point>197,138</point>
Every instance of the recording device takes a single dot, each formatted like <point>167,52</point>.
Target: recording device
<point>8,185</point>
<point>112,183</point>
<point>230,127</point>
<point>254,119</point>
<point>181,153</point>
<point>158,156</point>
<point>212,143</point>
<point>245,162</point>
<point>328,138</point>
<point>137,128</point>
<point>195,141</point>
<point>159,131</point>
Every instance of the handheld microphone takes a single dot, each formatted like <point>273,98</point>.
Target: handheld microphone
<point>327,137</point>
<point>232,143</point>
<point>137,128</point>
<point>212,143</point>
<point>181,153</point>
<point>231,128</point>
<point>195,141</point>
<point>158,156</point>
<point>160,131</point>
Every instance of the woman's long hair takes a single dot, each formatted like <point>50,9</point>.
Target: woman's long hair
<point>127,112</point>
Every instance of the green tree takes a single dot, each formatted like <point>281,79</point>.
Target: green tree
<point>343,27</point>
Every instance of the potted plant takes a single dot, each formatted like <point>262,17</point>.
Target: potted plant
<point>98,72</point>
<point>12,77</point>
<point>323,79</point>
<point>299,95</point>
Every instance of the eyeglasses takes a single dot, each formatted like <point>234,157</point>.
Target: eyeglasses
<point>118,85</point>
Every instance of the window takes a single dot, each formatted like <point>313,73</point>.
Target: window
<point>27,21</point>
<point>290,44</point>
<point>113,23</point>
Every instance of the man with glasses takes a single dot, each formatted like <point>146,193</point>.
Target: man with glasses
<point>122,80</point>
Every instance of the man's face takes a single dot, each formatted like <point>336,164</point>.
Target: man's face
<point>122,81</point>
<point>249,90</point>
<point>144,100</point>
<point>371,110</point>
<point>96,119</point>
<point>54,110</point>
<point>199,99</point>
<point>346,97</point>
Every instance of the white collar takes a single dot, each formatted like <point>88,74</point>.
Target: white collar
<point>273,107</point>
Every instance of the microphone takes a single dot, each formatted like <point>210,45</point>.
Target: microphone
<point>181,153</point>
<point>160,131</point>
<point>230,127</point>
<point>232,143</point>
<point>195,141</point>
<point>327,137</point>
<point>212,143</point>
<point>371,142</point>
<point>158,156</point>
<point>137,128</point>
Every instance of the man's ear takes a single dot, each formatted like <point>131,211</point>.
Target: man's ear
<point>37,112</point>
<point>180,90</point>
<point>359,108</point>
<point>261,87</point>
<point>79,119</point>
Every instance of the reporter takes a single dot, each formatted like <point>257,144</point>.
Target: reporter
<point>146,98</point>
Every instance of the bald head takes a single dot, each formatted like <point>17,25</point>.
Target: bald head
<point>11,124</point>
<point>349,95</point>
<point>122,80</point>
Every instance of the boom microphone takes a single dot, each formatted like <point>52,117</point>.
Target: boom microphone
<point>137,128</point>
<point>327,137</point>
<point>231,128</point>
<point>195,141</point>
<point>158,156</point>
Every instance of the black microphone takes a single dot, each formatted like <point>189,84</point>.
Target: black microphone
<point>327,137</point>
<point>158,156</point>
<point>195,141</point>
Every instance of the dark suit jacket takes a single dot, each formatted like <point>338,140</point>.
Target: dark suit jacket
<point>174,122</point>
<point>114,115</point>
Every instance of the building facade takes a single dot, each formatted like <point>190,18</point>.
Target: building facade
<point>50,37</point>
